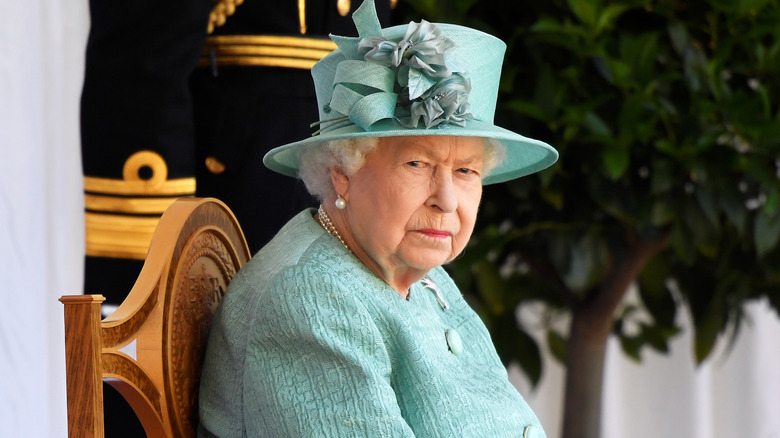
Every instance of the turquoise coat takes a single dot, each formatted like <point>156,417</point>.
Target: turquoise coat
<point>309,343</point>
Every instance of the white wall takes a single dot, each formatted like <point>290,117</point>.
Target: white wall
<point>41,207</point>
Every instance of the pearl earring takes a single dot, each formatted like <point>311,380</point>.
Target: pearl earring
<point>340,203</point>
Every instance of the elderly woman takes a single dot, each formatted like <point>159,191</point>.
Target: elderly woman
<point>345,324</point>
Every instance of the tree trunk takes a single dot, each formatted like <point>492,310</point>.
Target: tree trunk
<point>591,325</point>
<point>585,355</point>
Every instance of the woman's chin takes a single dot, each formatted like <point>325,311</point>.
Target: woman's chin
<point>425,259</point>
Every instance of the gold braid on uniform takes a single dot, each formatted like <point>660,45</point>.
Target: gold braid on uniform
<point>121,214</point>
<point>221,10</point>
<point>225,8</point>
<point>343,7</point>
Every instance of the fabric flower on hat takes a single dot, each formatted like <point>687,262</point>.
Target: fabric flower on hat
<point>422,49</point>
<point>412,80</point>
<point>446,101</point>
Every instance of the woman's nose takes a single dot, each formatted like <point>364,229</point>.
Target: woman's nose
<point>443,192</point>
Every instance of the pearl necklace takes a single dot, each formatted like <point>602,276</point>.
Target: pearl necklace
<point>324,220</point>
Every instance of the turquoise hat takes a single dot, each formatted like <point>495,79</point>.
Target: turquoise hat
<point>416,79</point>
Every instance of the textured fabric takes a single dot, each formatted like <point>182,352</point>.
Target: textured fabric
<point>308,342</point>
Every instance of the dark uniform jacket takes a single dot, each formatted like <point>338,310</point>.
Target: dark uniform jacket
<point>169,110</point>
<point>183,98</point>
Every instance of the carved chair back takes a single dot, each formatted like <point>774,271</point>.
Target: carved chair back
<point>151,348</point>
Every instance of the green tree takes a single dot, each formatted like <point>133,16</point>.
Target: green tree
<point>667,119</point>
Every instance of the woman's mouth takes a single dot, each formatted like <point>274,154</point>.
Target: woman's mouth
<point>435,234</point>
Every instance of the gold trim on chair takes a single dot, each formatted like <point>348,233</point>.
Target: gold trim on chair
<point>265,50</point>
<point>122,213</point>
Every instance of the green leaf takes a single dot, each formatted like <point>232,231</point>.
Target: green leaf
<point>620,71</point>
<point>682,243</point>
<point>733,205</point>
<point>586,262</point>
<point>663,178</point>
<point>585,10</point>
<point>640,52</point>
<point>679,36</point>
<point>657,336</point>
<point>696,67</point>
<point>608,16</point>
<point>766,232</point>
<point>709,204</point>
<point>612,199</point>
<point>706,333</point>
<point>654,293</point>
<point>547,24</point>
<point>571,132</point>
<point>596,124</point>
<point>739,7</point>
<point>527,108</point>
<point>702,231</point>
<point>666,146</point>
<point>490,286</point>
<point>557,345</point>
<point>616,162</point>
<point>632,346</point>
<point>547,176</point>
<point>546,93</point>
<point>662,214</point>
<point>566,35</point>
<point>772,200</point>
<point>530,358</point>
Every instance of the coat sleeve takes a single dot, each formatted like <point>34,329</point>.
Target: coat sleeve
<point>317,364</point>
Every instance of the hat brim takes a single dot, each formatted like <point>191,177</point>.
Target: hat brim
<point>524,155</point>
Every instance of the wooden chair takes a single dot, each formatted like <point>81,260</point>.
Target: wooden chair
<point>151,348</point>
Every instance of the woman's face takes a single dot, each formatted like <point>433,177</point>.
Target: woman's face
<point>413,204</point>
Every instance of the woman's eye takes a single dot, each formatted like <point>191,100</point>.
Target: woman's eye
<point>414,163</point>
<point>466,171</point>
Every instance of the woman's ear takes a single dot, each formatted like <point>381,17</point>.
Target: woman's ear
<point>340,182</point>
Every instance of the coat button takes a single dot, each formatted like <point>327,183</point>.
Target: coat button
<point>530,432</point>
<point>215,166</point>
<point>454,342</point>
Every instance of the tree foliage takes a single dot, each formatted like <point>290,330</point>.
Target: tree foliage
<point>666,114</point>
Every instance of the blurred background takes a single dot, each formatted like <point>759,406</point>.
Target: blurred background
<point>645,262</point>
